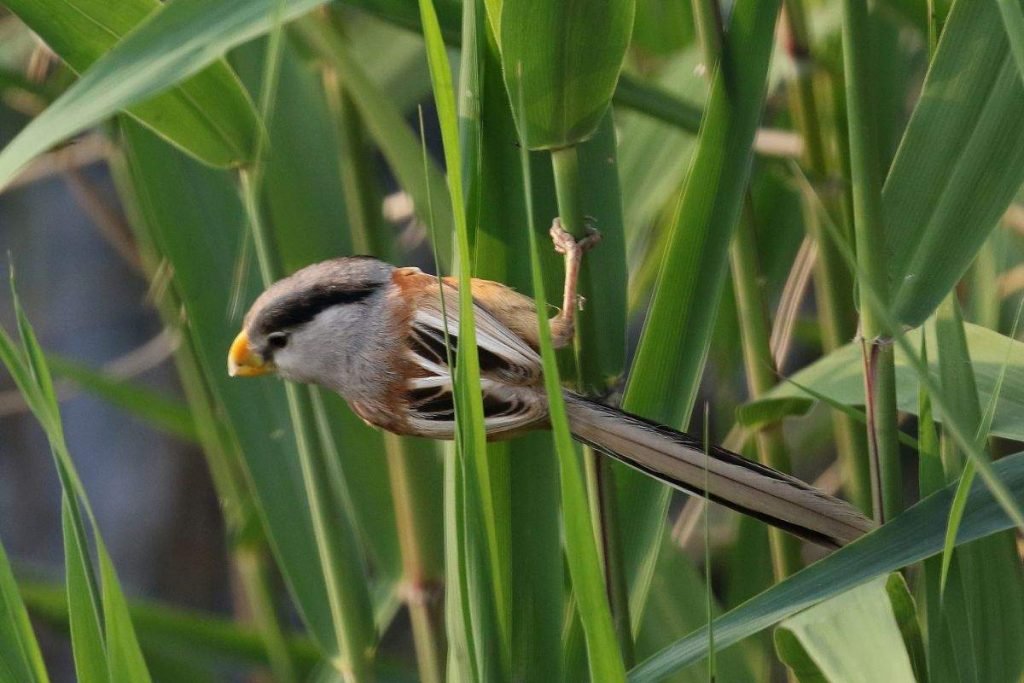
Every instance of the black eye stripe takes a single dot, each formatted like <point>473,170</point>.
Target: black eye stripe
<point>300,308</point>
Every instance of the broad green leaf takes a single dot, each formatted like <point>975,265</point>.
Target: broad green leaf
<point>673,346</point>
<point>562,61</point>
<point>400,72</point>
<point>912,536</point>
<point>20,658</point>
<point>207,115</point>
<point>662,28</point>
<point>851,637</point>
<point>175,42</point>
<point>178,201</point>
<point>838,376</point>
<point>941,201</point>
<point>654,157</point>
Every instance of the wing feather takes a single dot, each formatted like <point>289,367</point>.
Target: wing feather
<point>509,369</point>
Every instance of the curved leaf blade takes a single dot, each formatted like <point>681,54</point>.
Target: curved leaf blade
<point>209,115</point>
<point>20,657</point>
<point>912,536</point>
<point>853,636</point>
<point>941,201</point>
<point>173,43</point>
<point>837,376</point>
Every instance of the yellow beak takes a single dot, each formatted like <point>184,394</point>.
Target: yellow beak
<point>243,361</point>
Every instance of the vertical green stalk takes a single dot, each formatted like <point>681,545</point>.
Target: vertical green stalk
<point>985,302</point>
<point>351,610</point>
<point>251,563</point>
<point>753,321</point>
<point>488,617</point>
<point>707,17</point>
<point>865,171</point>
<point>832,284</point>
<point>600,475</point>
<point>565,162</point>
<point>605,659</point>
<point>761,373</point>
<point>412,470</point>
<point>422,560</point>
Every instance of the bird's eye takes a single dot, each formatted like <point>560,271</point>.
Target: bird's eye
<point>277,340</point>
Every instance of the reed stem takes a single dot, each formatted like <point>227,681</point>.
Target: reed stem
<point>761,373</point>
<point>832,282</point>
<point>869,233</point>
<point>600,475</point>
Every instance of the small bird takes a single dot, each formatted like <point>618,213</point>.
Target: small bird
<point>380,336</point>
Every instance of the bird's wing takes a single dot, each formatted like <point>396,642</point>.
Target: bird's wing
<point>509,369</point>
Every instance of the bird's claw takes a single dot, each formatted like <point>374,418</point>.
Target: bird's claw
<point>566,243</point>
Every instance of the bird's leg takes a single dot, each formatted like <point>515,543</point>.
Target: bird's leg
<point>563,324</point>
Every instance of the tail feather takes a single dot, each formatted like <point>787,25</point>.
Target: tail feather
<point>679,460</point>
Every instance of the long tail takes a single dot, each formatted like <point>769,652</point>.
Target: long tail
<point>678,460</point>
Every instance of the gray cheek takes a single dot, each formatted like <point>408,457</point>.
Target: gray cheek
<point>345,349</point>
<point>290,366</point>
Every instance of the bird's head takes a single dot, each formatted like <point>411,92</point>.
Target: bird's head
<point>301,327</point>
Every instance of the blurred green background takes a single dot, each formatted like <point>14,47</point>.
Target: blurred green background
<point>801,190</point>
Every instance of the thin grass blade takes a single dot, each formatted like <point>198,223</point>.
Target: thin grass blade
<point>469,399</point>
<point>96,656</point>
<point>20,657</point>
<point>912,536</point>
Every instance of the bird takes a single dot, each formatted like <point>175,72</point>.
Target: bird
<point>381,336</point>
